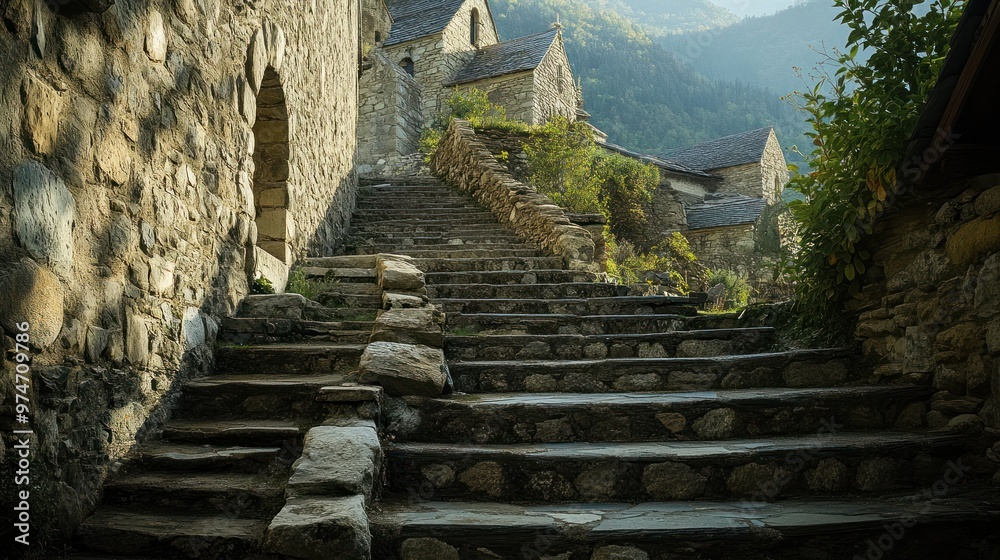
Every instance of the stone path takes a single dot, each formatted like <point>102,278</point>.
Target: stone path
<point>591,424</point>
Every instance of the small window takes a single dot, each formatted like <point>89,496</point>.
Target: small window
<point>474,28</point>
<point>407,65</point>
<point>378,37</point>
<point>560,78</point>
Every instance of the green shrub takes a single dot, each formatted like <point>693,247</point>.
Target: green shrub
<point>309,288</point>
<point>670,262</point>
<point>626,185</point>
<point>737,288</point>
<point>261,286</point>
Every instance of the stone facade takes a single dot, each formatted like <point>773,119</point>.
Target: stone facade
<point>931,310</point>
<point>515,93</point>
<point>389,120</point>
<point>375,24</point>
<point>156,153</point>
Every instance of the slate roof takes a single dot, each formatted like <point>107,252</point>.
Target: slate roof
<point>413,19</point>
<point>661,162</point>
<point>509,57</point>
<point>724,209</point>
<point>729,151</point>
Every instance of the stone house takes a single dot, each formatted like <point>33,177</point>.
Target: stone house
<point>724,195</point>
<point>929,309</point>
<point>157,155</point>
<point>435,48</point>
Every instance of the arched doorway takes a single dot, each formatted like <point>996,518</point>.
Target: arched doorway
<point>275,227</point>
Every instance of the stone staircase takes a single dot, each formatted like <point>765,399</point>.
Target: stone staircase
<point>209,486</point>
<point>592,424</point>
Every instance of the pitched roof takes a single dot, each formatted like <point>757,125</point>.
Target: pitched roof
<point>509,57</point>
<point>661,162</point>
<point>724,209</point>
<point>729,151</point>
<point>413,19</point>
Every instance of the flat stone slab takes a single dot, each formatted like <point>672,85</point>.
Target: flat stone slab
<point>335,461</point>
<point>352,393</point>
<point>314,528</point>
<point>232,432</point>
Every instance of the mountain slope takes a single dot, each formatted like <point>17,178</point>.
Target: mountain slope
<point>642,96</point>
<point>667,17</point>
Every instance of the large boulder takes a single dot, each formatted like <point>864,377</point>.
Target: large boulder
<point>44,211</point>
<point>404,369</point>
<point>30,294</point>
<point>423,325</point>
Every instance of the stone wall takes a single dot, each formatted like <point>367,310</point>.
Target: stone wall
<point>515,93</point>
<point>389,119</point>
<point>665,213</point>
<point>930,312</point>
<point>729,248</point>
<point>554,89</point>
<point>462,160</point>
<point>375,24</point>
<point>127,177</point>
<point>764,179</point>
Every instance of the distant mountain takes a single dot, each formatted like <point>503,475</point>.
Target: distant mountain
<point>638,93</point>
<point>744,8</point>
<point>668,17</point>
<point>765,50</point>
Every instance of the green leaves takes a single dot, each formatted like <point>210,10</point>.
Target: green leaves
<point>860,131</point>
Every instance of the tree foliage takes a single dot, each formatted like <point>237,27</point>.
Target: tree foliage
<point>861,114</point>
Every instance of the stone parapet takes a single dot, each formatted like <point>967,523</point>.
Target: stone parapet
<point>465,162</point>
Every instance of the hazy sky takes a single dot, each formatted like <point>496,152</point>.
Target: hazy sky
<point>754,7</point>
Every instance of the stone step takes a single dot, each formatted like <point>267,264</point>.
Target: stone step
<point>188,457</point>
<point>308,358</point>
<point>544,324</point>
<point>177,534</point>
<point>256,396</point>
<point>425,229</point>
<point>758,470</point>
<point>553,276</point>
<point>335,299</point>
<point>633,417</point>
<point>242,432</point>
<point>528,291</point>
<point>829,529</point>
<point>502,263</point>
<point>416,213</point>
<point>393,239</point>
<point>471,221</point>
<point>676,344</point>
<point>340,314</point>
<point>240,495</point>
<point>459,252</point>
<point>396,246</point>
<point>797,368</point>
<point>343,276</point>
<point>625,305</point>
<point>429,203</point>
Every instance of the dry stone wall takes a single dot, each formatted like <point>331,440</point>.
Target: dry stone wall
<point>462,160</point>
<point>931,310</point>
<point>130,207</point>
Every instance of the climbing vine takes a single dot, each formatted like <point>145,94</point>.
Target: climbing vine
<point>862,112</point>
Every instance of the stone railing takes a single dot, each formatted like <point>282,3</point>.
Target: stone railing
<point>464,161</point>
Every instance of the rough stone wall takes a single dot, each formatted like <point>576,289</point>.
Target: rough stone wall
<point>389,119</point>
<point>665,213</point>
<point>126,171</point>
<point>554,89</point>
<point>515,93</point>
<point>742,179</point>
<point>930,312</point>
<point>375,24</point>
<point>729,248</point>
<point>438,58</point>
<point>464,161</point>
<point>764,179</point>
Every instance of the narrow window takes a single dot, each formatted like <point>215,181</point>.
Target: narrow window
<point>407,65</point>
<point>474,28</point>
<point>559,77</point>
<point>378,37</point>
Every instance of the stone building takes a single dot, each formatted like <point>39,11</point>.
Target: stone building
<point>724,196</point>
<point>435,48</point>
<point>155,155</point>
<point>929,310</point>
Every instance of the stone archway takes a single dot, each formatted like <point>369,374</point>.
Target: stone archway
<point>275,227</point>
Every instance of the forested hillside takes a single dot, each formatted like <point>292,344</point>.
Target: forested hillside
<point>763,50</point>
<point>660,18</point>
<point>642,96</point>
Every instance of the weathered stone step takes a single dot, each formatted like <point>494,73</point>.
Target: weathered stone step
<point>256,396</point>
<point>187,457</point>
<point>459,252</point>
<point>243,331</point>
<point>135,531</point>
<point>831,529</point>
<point>396,247</point>
<point>626,305</point>
<point>395,239</point>
<point>241,432</point>
<point>411,213</point>
<point>797,368</point>
<point>759,470</point>
<point>632,417</point>
<point>676,344</point>
<point>289,358</point>
<point>554,276</point>
<point>343,276</point>
<point>427,202</point>
<point>241,495</point>
<point>471,221</point>
<point>528,291</point>
<point>542,324</point>
<point>501,263</point>
<point>424,228</point>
